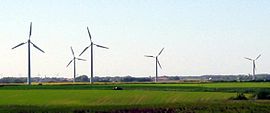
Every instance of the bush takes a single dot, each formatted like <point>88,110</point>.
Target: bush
<point>262,94</point>
<point>239,96</point>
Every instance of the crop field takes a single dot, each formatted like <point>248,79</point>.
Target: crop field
<point>136,97</point>
<point>246,87</point>
<point>105,97</point>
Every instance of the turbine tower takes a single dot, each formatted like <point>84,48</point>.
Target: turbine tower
<point>74,65</point>
<point>92,54</point>
<point>254,65</point>
<point>29,42</point>
<point>157,63</point>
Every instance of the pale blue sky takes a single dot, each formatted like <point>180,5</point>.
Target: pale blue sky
<point>199,36</point>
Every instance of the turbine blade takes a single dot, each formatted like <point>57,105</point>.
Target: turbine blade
<point>69,63</point>
<point>72,51</point>
<point>19,45</point>
<point>161,51</point>
<point>148,56</point>
<point>37,47</point>
<point>80,59</point>
<point>84,50</point>
<point>101,46</point>
<point>30,33</point>
<point>258,57</point>
<point>248,58</point>
<point>159,64</point>
<point>89,34</point>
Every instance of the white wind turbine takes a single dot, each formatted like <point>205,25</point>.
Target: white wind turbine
<point>29,42</point>
<point>253,65</point>
<point>157,63</point>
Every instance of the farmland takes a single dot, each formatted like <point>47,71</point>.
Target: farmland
<point>101,98</point>
<point>104,97</point>
<point>190,87</point>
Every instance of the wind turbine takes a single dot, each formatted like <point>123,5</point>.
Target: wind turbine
<point>91,45</point>
<point>29,42</point>
<point>254,65</point>
<point>157,63</point>
<point>74,65</point>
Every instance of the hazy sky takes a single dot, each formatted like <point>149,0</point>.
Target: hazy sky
<point>199,36</point>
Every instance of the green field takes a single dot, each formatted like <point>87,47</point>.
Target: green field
<point>101,97</point>
<point>105,97</point>
<point>246,87</point>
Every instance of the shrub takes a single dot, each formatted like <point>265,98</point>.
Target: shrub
<point>262,94</point>
<point>239,96</point>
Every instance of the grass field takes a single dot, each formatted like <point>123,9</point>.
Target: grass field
<point>246,87</point>
<point>187,97</point>
<point>105,97</point>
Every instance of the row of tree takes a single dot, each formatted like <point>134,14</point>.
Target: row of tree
<point>84,78</point>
